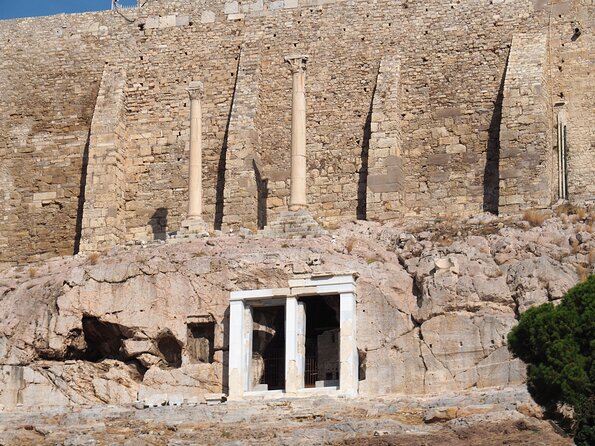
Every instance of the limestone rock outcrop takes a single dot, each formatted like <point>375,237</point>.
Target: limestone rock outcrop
<point>434,306</point>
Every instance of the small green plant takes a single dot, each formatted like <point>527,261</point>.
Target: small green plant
<point>558,344</point>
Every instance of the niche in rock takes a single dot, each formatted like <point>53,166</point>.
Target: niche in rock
<point>201,340</point>
<point>170,349</point>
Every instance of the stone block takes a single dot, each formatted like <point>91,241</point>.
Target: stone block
<point>447,112</point>
<point>183,20</point>
<point>132,347</point>
<point>438,159</point>
<point>155,400</point>
<point>207,17</point>
<point>232,17</point>
<point>175,400</point>
<point>448,140</point>
<point>439,132</point>
<point>231,8</point>
<point>456,148</point>
<point>152,23</point>
<point>167,21</point>
<point>44,196</point>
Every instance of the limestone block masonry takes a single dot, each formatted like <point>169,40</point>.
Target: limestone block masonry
<point>526,158</point>
<point>385,173</point>
<point>421,109</point>
<point>102,222</point>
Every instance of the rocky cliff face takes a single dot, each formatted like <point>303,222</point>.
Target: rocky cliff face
<point>434,305</point>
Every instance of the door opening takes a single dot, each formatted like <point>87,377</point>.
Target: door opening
<point>268,348</point>
<point>322,341</point>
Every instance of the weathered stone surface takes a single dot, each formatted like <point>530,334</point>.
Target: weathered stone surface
<point>423,103</point>
<point>504,416</point>
<point>116,325</point>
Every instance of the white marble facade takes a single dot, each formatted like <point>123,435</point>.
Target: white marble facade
<point>241,327</point>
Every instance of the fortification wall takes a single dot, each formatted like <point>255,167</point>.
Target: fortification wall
<point>573,90</point>
<point>444,127</point>
<point>50,71</point>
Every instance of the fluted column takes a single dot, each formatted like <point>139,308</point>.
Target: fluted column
<point>297,199</point>
<point>195,91</point>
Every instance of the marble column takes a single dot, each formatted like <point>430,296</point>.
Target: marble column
<point>237,366</point>
<point>295,344</point>
<point>194,223</point>
<point>297,200</point>
<point>349,367</point>
<point>195,91</point>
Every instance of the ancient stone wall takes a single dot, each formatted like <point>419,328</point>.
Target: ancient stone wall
<point>50,72</point>
<point>383,158</point>
<point>573,89</point>
<point>103,174</point>
<point>526,156</point>
<point>452,62</point>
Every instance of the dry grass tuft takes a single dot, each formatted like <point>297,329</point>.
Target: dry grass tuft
<point>93,258</point>
<point>534,217</point>
<point>581,212</point>
<point>349,244</point>
<point>570,209</point>
<point>592,256</point>
<point>374,259</point>
<point>443,240</point>
<point>583,273</point>
<point>563,209</point>
<point>487,229</point>
<point>583,228</point>
<point>575,246</point>
<point>331,225</point>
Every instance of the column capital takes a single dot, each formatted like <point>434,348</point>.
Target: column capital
<point>195,90</point>
<point>297,62</point>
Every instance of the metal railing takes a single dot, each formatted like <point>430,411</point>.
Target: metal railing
<point>274,372</point>
<point>311,372</point>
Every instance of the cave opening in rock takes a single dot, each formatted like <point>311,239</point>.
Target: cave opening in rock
<point>103,340</point>
<point>170,349</point>
<point>201,340</point>
<point>322,341</point>
<point>268,348</point>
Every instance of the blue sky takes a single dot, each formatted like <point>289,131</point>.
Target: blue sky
<point>10,9</point>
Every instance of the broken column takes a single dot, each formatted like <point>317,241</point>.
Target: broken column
<point>194,224</point>
<point>297,200</point>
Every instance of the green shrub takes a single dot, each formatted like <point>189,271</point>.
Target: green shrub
<point>558,345</point>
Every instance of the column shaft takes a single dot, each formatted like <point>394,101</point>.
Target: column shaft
<point>195,171</point>
<point>349,368</point>
<point>237,369</point>
<point>297,199</point>
<point>298,143</point>
<point>295,346</point>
